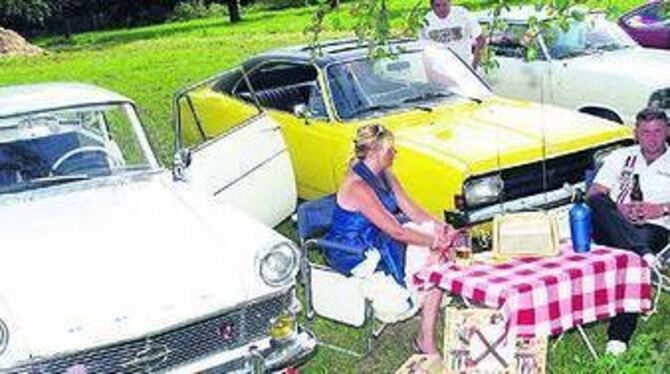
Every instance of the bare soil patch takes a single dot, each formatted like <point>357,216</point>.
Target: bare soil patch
<point>12,44</point>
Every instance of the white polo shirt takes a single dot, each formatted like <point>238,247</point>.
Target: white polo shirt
<point>617,175</point>
<point>457,31</point>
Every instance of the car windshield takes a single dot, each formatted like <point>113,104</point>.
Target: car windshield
<point>50,148</point>
<point>656,15</point>
<point>594,34</point>
<point>424,77</point>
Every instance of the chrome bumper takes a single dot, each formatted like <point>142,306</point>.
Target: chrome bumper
<point>544,200</point>
<point>278,355</point>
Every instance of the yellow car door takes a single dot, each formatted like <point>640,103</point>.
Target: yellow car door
<point>320,152</point>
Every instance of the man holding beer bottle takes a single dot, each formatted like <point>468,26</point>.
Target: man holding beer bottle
<point>630,203</point>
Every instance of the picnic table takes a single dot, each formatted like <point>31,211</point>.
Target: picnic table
<point>542,296</point>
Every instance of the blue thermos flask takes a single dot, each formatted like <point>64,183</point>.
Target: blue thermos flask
<point>580,224</point>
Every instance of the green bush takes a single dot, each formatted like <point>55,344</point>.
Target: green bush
<point>189,10</point>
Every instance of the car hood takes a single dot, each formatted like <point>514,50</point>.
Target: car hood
<point>116,262</point>
<point>498,133</point>
<point>647,66</point>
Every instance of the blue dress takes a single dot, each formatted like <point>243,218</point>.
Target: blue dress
<point>356,231</point>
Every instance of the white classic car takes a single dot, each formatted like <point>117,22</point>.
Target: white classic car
<point>112,264</point>
<point>594,67</point>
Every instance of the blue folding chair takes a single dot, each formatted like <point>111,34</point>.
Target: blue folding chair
<point>333,295</point>
<point>328,293</point>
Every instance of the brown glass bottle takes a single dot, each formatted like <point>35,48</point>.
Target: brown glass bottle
<point>636,192</point>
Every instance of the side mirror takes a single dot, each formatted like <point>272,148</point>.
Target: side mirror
<point>182,160</point>
<point>301,111</point>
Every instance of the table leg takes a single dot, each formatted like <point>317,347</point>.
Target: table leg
<point>587,342</point>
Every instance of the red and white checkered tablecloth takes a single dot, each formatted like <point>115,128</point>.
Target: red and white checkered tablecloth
<point>546,296</point>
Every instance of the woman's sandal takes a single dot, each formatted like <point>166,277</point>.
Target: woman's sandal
<point>417,349</point>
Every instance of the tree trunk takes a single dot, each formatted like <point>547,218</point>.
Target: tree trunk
<point>334,3</point>
<point>234,11</point>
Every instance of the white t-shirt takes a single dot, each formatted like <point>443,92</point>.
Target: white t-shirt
<point>457,31</point>
<point>617,175</point>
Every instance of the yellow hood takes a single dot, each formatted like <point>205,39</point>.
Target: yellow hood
<point>499,133</point>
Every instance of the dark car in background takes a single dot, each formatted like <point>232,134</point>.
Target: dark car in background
<point>649,24</point>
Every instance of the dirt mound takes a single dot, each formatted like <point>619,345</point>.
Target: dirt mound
<point>12,43</point>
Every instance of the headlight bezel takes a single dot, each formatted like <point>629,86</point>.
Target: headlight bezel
<point>660,99</point>
<point>273,253</point>
<point>4,337</point>
<point>475,192</point>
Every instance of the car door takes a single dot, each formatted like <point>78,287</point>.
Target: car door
<point>291,91</point>
<point>517,77</point>
<point>236,152</point>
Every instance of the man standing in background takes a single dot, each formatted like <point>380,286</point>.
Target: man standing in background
<point>454,27</point>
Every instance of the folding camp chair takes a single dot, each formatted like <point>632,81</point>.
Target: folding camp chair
<point>328,293</point>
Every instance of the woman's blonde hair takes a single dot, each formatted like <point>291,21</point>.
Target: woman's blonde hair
<point>369,136</point>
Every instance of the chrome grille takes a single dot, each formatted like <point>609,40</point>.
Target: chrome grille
<point>527,180</point>
<point>185,344</point>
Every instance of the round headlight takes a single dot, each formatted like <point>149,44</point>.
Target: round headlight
<point>660,99</point>
<point>278,265</point>
<point>483,190</point>
<point>4,337</point>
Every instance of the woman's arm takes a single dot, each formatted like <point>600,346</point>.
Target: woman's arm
<point>363,199</point>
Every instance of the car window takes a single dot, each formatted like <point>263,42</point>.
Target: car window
<point>39,150</point>
<point>595,34</point>
<point>204,116</point>
<point>367,87</point>
<point>656,14</point>
<point>283,86</point>
<point>511,42</point>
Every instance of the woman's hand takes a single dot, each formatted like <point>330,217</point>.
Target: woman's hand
<point>444,237</point>
<point>637,212</point>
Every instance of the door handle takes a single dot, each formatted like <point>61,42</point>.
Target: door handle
<point>273,128</point>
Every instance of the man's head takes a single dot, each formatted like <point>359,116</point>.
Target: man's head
<point>651,131</point>
<point>441,7</point>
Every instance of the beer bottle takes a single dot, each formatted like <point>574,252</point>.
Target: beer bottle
<point>636,192</point>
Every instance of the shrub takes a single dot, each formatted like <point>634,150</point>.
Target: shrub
<point>189,10</point>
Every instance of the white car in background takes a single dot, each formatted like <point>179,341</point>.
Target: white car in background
<point>113,264</point>
<point>594,67</point>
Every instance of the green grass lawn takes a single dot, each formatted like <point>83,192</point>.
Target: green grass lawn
<point>149,64</point>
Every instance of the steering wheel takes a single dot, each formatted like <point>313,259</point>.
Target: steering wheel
<point>115,160</point>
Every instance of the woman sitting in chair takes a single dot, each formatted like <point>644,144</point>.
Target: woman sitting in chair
<point>395,236</point>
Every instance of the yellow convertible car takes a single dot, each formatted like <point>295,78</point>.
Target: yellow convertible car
<point>462,150</point>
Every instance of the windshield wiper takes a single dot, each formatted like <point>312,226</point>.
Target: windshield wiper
<point>56,179</point>
<point>372,108</point>
<point>426,96</point>
<point>612,47</point>
<point>42,182</point>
